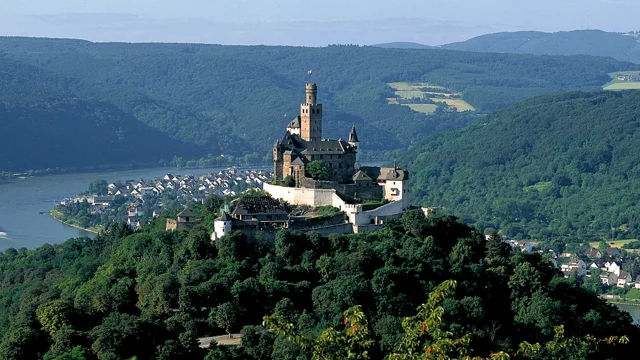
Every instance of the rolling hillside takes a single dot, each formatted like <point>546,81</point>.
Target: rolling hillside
<point>556,165</point>
<point>586,42</point>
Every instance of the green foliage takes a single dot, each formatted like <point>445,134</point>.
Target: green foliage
<point>225,316</point>
<point>152,294</point>
<point>288,181</point>
<point>632,245</point>
<point>424,338</point>
<point>579,142</point>
<point>98,187</point>
<point>317,170</point>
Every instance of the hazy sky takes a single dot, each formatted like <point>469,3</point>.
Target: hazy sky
<point>463,17</point>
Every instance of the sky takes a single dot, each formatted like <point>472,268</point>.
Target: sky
<point>307,22</point>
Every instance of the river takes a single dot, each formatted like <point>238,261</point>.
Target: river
<point>634,310</point>
<point>21,200</point>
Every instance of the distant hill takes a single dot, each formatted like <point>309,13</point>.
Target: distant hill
<point>236,100</point>
<point>403,45</point>
<point>556,165</point>
<point>619,46</point>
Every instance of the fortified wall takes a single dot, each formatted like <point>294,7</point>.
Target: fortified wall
<point>346,191</point>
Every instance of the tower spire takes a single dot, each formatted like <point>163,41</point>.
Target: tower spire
<point>353,136</point>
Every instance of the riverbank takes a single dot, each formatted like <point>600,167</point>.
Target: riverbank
<point>58,216</point>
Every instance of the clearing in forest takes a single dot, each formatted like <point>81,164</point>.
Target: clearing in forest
<point>425,97</point>
<point>624,80</point>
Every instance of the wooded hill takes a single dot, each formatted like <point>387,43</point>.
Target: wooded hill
<point>152,293</point>
<point>624,47</point>
<point>44,123</point>
<point>556,165</point>
<point>238,99</point>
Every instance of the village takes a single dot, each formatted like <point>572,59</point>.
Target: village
<point>614,271</point>
<point>139,201</point>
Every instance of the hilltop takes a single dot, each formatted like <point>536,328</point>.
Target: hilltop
<point>555,165</point>
<point>624,47</point>
<point>235,99</point>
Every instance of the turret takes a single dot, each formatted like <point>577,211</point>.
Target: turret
<point>353,141</point>
<point>222,226</point>
<point>312,94</point>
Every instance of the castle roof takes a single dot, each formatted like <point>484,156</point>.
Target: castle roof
<point>393,174</point>
<point>186,212</point>
<point>295,123</point>
<point>361,176</point>
<point>381,173</point>
<point>298,161</point>
<point>353,137</point>
<point>326,147</point>
<point>224,217</point>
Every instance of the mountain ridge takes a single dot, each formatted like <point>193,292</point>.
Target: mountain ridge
<point>623,47</point>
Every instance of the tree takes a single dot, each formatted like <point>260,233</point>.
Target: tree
<point>317,170</point>
<point>602,246</point>
<point>497,250</point>
<point>99,187</point>
<point>257,341</point>
<point>225,316</point>
<point>288,181</point>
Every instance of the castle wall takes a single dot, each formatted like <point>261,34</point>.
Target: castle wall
<point>346,228</point>
<point>392,208</point>
<point>347,191</point>
<point>300,196</point>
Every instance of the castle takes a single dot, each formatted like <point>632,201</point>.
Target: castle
<point>348,184</point>
<point>303,143</point>
<point>367,195</point>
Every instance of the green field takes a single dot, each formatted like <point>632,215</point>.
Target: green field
<point>613,243</point>
<point>627,85</point>
<point>406,93</point>
<point>423,108</point>
<point>459,104</point>
<point>540,187</point>
<point>618,84</point>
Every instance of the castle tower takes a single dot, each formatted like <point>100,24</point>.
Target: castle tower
<point>353,141</point>
<point>311,115</point>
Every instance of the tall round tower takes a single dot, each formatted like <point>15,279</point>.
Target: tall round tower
<point>311,115</point>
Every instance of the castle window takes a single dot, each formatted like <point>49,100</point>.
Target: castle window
<point>340,165</point>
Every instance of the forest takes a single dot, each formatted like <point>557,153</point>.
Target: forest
<point>151,294</point>
<point>236,100</point>
<point>556,166</point>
